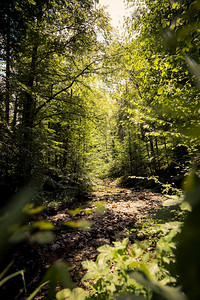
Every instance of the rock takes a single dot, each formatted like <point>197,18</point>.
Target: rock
<point>55,247</point>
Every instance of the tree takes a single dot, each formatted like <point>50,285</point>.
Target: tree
<point>57,50</point>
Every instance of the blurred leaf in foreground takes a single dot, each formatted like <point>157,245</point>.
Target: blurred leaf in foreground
<point>75,294</point>
<point>58,272</point>
<point>188,258</point>
<point>79,224</point>
<point>13,214</point>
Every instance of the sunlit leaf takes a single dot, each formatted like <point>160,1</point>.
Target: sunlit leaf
<point>31,210</point>
<point>42,225</point>
<point>74,211</point>
<point>160,91</point>
<point>32,2</point>
<point>79,224</point>
<point>185,206</point>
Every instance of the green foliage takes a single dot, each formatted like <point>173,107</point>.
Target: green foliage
<point>86,108</point>
<point>145,268</point>
<point>169,293</point>
<point>75,294</point>
<point>109,271</point>
<point>113,274</point>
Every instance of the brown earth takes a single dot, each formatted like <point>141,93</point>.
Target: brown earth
<point>122,207</point>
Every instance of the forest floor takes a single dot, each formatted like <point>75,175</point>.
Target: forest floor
<point>122,208</point>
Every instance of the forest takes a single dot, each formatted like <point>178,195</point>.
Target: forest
<point>99,151</point>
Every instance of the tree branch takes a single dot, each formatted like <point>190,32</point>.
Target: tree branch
<point>62,90</point>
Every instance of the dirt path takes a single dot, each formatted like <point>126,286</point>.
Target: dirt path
<point>122,207</point>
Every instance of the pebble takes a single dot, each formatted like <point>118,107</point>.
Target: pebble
<point>55,247</point>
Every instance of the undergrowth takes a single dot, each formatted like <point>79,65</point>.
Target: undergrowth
<point>140,270</point>
<point>141,266</point>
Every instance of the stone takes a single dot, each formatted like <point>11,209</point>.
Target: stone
<point>55,247</point>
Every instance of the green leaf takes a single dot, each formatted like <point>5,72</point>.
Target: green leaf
<point>58,272</point>
<point>79,224</point>
<point>105,249</point>
<point>42,237</point>
<point>100,209</point>
<point>84,224</point>
<point>175,5</point>
<point>6,269</point>
<point>29,209</point>
<point>32,2</point>
<point>12,214</point>
<point>32,296</point>
<point>74,211</point>
<point>167,292</point>
<point>185,206</point>
<point>11,276</point>
<point>188,248</point>
<point>97,269</point>
<point>160,91</point>
<point>18,236</point>
<point>194,68</point>
<point>121,245</point>
<point>42,225</point>
<point>75,294</point>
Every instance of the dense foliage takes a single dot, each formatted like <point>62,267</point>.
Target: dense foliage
<point>79,102</point>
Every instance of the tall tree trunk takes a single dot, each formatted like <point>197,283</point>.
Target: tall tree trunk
<point>7,100</point>
<point>130,153</point>
<point>147,146</point>
<point>152,153</point>
<point>29,102</point>
<point>165,144</point>
<point>15,113</point>
<point>27,153</point>
<point>157,152</point>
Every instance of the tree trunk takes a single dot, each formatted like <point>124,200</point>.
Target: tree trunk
<point>130,154</point>
<point>7,100</point>
<point>15,113</point>
<point>157,152</point>
<point>147,147</point>
<point>29,102</point>
<point>27,152</point>
<point>152,153</point>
